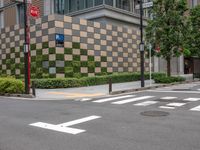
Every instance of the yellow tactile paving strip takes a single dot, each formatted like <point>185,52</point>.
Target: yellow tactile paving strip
<point>75,95</point>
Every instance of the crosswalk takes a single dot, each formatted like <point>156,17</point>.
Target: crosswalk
<point>167,102</point>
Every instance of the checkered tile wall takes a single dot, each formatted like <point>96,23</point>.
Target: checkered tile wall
<point>90,48</point>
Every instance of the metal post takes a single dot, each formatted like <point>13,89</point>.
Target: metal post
<point>33,88</point>
<point>110,85</point>
<point>150,72</point>
<point>26,50</point>
<point>141,42</point>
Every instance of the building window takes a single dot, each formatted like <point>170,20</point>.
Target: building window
<point>109,2</point>
<point>123,4</point>
<point>48,9</point>
<point>20,14</point>
<point>89,3</point>
<point>98,2</point>
<point>1,15</point>
<point>59,6</point>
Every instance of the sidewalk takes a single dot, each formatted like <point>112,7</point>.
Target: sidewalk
<point>85,92</point>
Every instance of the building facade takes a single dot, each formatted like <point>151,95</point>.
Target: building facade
<point>100,36</point>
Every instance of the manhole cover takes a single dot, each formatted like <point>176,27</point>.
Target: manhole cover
<point>154,113</point>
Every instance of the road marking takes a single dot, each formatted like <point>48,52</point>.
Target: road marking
<point>64,127</point>
<point>190,92</point>
<point>166,107</point>
<point>146,103</point>
<point>132,100</point>
<point>168,98</point>
<point>112,99</point>
<point>196,108</point>
<point>85,99</point>
<point>198,89</point>
<point>74,122</point>
<point>192,99</point>
<point>176,104</point>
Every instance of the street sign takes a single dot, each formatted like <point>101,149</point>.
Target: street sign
<point>60,38</point>
<point>34,11</point>
<point>145,5</point>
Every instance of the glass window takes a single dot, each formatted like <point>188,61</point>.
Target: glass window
<point>109,2</point>
<point>20,13</point>
<point>89,3</point>
<point>123,4</point>
<point>59,6</point>
<point>98,2</point>
<point>1,20</point>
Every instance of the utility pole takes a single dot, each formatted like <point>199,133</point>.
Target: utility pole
<point>141,45</point>
<point>26,50</point>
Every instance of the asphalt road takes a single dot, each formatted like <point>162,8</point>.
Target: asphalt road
<point>119,126</point>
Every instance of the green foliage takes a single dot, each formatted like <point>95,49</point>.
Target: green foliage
<point>68,72</point>
<point>39,52</point>
<point>103,59</point>
<point>45,45</point>
<point>11,86</point>
<point>76,45</point>
<point>166,79</point>
<point>60,70</point>
<point>68,63</point>
<point>83,52</point>
<point>168,28</point>
<point>192,42</point>
<point>33,46</point>
<point>60,57</point>
<point>12,50</point>
<point>88,81</point>
<point>45,57</point>
<point>52,63</point>
<point>76,57</point>
<point>84,63</point>
<point>90,58</point>
<point>97,64</point>
<point>52,50</point>
<point>68,51</point>
<point>39,73</point>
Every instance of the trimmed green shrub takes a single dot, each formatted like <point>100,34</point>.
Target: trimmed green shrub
<point>90,58</point>
<point>165,79</point>
<point>11,86</point>
<point>52,50</point>
<point>88,81</point>
<point>68,51</point>
<point>84,52</point>
<point>103,59</point>
<point>12,50</point>
<point>45,45</point>
<point>33,46</point>
<point>60,57</point>
<point>76,57</point>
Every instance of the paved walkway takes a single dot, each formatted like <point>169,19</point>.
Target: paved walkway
<point>85,92</point>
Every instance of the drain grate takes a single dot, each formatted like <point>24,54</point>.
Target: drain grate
<point>154,113</point>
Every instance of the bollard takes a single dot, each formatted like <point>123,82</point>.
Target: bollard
<point>110,85</point>
<point>33,88</point>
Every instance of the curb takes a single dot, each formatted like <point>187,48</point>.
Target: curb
<point>19,95</point>
<point>148,88</point>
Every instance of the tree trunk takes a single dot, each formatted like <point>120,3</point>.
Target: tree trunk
<point>168,67</point>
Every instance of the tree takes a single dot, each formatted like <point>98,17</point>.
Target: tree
<point>193,38</point>
<point>167,30</point>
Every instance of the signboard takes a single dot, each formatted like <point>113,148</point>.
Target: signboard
<point>145,5</point>
<point>60,40</point>
<point>34,11</point>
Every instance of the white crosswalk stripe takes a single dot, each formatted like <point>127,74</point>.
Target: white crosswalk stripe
<point>112,99</point>
<point>133,100</point>
<point>166,107</point>
<point>146,103</point>
<point>176,104</point>
<point>197,108</point>
<point>192,99</point>
<point>168,98</point>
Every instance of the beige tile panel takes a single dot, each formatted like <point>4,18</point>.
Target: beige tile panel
<point>52,44</point>
<point>97,58</point>
<point>52,57</point>
<point>59,24</point>
<point>97,24</point>
<point>91,74</point>
<point>109,38</point>
<point>90,29</point>
<point>84,70</point>
<point>60,75</point>
<point>83,34</point>
<point>109,69</point>
<point>45,25</point>
<point>83,46</point>
<point>51,30</point>
<point>59,50</point>
<point>103,53</point>
<point>17,71</point>
<point>68,57</point>
<point>67,44</point>
<point>68,19</point>
<point>76,39</point>
<point>97,70</point>
<point>76,51</point>
<point>103,64</point>
<point>109,59</point>
<point>97,47</point>
<point>33,40</point>
<point>84,58</point>
<point>38,33</point>
<point>97,36</point>
<point>33,53</point>
<point>51,17</point>
<point>39,46</point>
<point>103,31</point>
<point>67,31</point>
<point>109,27</point>
<point>45,51</point>
<point>83,22</point>
<point>75,26</point>
<point>90,52</point>
<point>45,38</point>
<point>90,41</point>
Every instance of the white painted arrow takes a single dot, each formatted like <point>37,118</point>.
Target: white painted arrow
<point>64,127</point>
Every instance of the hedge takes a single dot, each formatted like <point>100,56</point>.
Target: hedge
<point>10,85</point>
<point>89,81</point>
<point>165,79</point>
